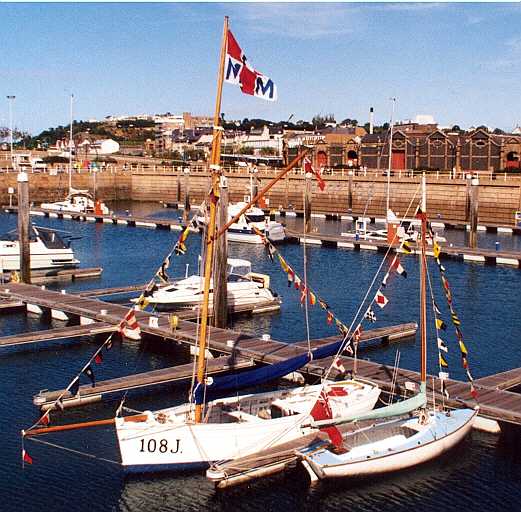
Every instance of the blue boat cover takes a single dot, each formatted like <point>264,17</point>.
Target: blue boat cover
<point>263,374</point>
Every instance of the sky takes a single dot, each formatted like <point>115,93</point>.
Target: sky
<point>458,62</point>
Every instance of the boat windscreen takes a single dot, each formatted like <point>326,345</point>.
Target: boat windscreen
<point>51,239</point>
<point>255,218</point>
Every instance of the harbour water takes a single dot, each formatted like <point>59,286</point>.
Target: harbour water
<point>484,472</point>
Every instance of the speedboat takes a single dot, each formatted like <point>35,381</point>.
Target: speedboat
<point>47,249</point>
<point>244,288</point>
<point>78,201</point>
<point>243,230</point>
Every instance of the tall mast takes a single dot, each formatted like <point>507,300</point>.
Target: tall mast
<point>70,147</point>
<point>210,232</point>
<point>423,286</point>
<point>390,158</point>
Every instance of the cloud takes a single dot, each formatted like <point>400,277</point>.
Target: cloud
<point>300,20</point>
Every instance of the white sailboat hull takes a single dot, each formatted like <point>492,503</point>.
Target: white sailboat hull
<point>395,452</point>
<point>41,257</point>
<point>178,444</point>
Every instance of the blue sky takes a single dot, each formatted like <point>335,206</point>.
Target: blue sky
<point>459,62</point>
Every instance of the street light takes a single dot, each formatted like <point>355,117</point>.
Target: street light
<point>10,100</point>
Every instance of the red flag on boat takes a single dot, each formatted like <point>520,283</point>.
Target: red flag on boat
<point>309,168</point>
<point>238,71</point>
<point>129,327</point>
<point>322,411</point>
<point>337,364</point>
<point>26,457</point>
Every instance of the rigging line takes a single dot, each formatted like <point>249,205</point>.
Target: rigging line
<point>348,336</point>
<point>306,311</point>
<point>437,333</point>
<point>76,452</point>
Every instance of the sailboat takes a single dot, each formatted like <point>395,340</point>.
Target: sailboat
<point>76,201</point>
<point>206,430</point>
<point>398,442</point>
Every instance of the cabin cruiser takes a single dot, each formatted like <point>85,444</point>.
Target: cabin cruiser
<point>245,288</point>
<point>408,231</point>
<point>47,249</point>
<point>242,230</point>
<point>78,201</point>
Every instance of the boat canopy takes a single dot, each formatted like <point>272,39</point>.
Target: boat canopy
<point>238,266</point>
<point>216,385</point>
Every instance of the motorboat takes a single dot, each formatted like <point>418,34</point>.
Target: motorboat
<point>47,249</point>
<point>243,230</point>
<point>78,201</point>
<point>244,288</point>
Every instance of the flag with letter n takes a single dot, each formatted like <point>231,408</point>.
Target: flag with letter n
<point>238,71</point>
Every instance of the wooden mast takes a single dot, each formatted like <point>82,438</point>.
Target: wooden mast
<point>210,233</point>
<point>423,287</point>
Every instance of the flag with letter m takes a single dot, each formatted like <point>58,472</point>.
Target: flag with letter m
<point>238,71</point>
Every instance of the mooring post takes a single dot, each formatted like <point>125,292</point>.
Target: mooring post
<point>467,197</point>
<point>307,202</point>
<point>254,184</point>
<point>23,227</point>
<point>474,195</point>
<point>220,293</point>
<point>286,192</point>
<point>186,212</point>
<point>178,187</point>
<point>350,191</point>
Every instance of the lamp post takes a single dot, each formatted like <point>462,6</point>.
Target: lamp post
<point>10,99</point>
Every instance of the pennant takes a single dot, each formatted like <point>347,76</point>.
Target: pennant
<point>436,249</point>
<point>237,71</point>
<point>462,347</point>
<point>330,317</point>
<point>384,281</point>
<point>90,374</point>
<point>312,299</point>
<point>397,267</point>
<point>291,277</point>
<point>323,304</point>
<point>129,328</point>
<point>357,333</point>
<point>26,457</point>
<point>308,168</point>
<point>436,308</point>
<point>443,361</point>
<point>337,364</point>
<point>442,346</point>
<point>44,420</point>
<point>370,315</point>
<point>406,248</point>
<point>440,324</point>
<point>381,299</point>
<point>75,387</point>
<point>98,359</point>
<point>283,263</point>
<point>455,319</point>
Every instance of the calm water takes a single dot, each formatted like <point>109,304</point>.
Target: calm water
<point>484,472</point>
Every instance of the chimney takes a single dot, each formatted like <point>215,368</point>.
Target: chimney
<point>371,120</point>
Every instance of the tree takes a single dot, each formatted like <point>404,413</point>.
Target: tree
<point>320,121</point>
<point>498,131</point>
<point>350,122</point>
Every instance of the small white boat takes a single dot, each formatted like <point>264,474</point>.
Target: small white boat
<point>389,446</point>
<point>244,288</point>
<point>233,427</point>
<point>242,230</point>
<point>78,201</point>
<point>47,249</point>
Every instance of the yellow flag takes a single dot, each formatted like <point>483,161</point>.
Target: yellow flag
<point>436,249</point>
<point>462,347</point>
<point>283,263</point>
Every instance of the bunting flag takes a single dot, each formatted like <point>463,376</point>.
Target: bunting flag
<point>271,251</point>
<point>397,267</point>
<point>44,420</point>
<point>357,333</point>
<point>75,387</point>
<point>337,363</point>
<point>237,71</point>
<point>370,315</point>
<point>291,277</point>
<point>455,319</point>
<point>440,324</point>
<point>384,281</point>
<point>142,302</point>
<point>308,168</point>
<point>436,308</point>
<point>443,361</point>
<point>161,273</point>
<point>436,249</point>
<point>108,343</point>
<point>323,304</point>
<point>330,317</point>
<point>129,327</point>
<point>406,247</point>
<point>381,299</point>
<point>282,261</point>
<point>312,298</point>
<point>98,359</point>
<point>442,346</point>
<point>297,282</point>
<point>90,374</point>
<point>26,457</point>
<point>303,293</point>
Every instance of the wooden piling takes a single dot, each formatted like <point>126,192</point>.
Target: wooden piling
<point>474,199</point>
<point>186,212</point>
<point>178,186</point>
<point>350,191</point>
<point>307,203</point>
<point>220,293</point>
<point>23,227</point>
